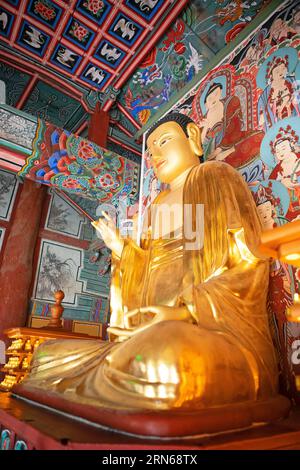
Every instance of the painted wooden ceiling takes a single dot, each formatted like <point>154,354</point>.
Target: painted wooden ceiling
<point>59,58</point>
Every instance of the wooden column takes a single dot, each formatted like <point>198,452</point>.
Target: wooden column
<point>17,262</point>
<point>98,127</point>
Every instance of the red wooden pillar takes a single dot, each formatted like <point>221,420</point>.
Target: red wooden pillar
<point>17,262</point>
<point>98,127</point>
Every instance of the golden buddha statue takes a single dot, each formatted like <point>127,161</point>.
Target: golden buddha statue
<point>189,334</point>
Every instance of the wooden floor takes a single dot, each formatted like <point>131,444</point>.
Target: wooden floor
<point>43,429</point>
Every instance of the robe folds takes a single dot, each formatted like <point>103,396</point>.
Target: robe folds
<point>224,354</point>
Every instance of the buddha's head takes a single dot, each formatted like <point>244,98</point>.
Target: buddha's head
<point>174,146</point>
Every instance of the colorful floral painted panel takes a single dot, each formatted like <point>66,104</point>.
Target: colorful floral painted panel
<point>78,33</point>
<point>95,10</point>
<point>70,163</point>
<point>45,11</point>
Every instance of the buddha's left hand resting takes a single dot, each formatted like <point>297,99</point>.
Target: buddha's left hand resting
<point>140,319</point>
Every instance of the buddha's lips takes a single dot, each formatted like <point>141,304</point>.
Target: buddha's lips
<point>160,164</point>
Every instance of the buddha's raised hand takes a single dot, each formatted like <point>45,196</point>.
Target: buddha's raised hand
<point>107,229</point>
<point>155,314</point>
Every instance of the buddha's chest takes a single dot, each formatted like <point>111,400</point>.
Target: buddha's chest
<point>167,215</point>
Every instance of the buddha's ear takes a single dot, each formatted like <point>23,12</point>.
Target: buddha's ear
<point>194,134</point>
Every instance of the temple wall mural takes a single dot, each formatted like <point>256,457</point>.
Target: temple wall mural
<point>83,179</point>
<point>176,59</point>
<point>70,256</point>
<point>249,111</point>
<point>8,191</point>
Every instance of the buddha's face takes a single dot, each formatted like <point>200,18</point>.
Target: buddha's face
<point>171,151</point>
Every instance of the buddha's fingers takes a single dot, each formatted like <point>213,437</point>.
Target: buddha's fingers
<point>98,225</point>
<point>129,316</point>
<point>103,228</point>
<point>151,309</point>
<point>107,217</point>
<point>109,222</point>
<point>119,331</point>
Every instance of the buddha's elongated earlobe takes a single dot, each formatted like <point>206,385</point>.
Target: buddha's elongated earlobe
<point>194,134</point>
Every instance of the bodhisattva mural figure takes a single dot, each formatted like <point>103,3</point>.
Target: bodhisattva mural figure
<point>225,136</point>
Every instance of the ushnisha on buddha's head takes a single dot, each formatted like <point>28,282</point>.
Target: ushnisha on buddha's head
<point>174,146</point>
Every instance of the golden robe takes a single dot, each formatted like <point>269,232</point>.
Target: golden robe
<point>223,355</point>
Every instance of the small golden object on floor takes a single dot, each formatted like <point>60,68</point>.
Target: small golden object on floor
<point>19,355</point>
